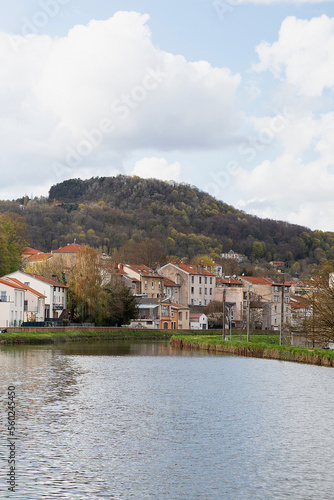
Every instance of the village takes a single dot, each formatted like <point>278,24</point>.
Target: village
<point>175,296</point>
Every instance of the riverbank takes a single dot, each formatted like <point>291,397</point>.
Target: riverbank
<point>322,357</point>
<point>58,335</point>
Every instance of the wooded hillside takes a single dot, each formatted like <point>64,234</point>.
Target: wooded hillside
<point>108,212</point>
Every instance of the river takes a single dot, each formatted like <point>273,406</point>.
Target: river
<point>138,420</point>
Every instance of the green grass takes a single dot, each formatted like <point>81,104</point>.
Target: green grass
<point>78,336</point>
<point>258,347</point>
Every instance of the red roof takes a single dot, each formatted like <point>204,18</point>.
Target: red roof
<point>194,269</point>
<point>224,280</point>
<point>3,281</point>
<point>257,280</point>
<point>298,302</point>
<point>143,270</point>
<point>22,285</point>
<point>71,248</point>
<point>39,256</point>
<point>46,280</point>
<point>169,282</point>
<point>30,251</point>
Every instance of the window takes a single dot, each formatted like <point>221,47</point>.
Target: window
<point>180,315</point>
<point>286,289</point>
<point>205,291</point>
<point>286,309</point>
<point>205,302</point>
<point>286,300</point>
<point>200,302</point>
<point>152,285</point>
<point>165,325</point>
<point>275,308</point>
<point>210,291</point>
<point>145,284</point>
<point>192,289</point>
<point>200,291</point>
<point>210,281</point>
<point>27,283</point>
<point>192,302</point>
<point>200,279</point>
<point>164,310</point>
<point>186,314</point>
<point>178,279</point>
<point>159,285</point>
<point>276,288</point>
<point>3,297</point>
<point>206,280</point>
<point>192,279</point>
<point>275,321</point>
<point>172,313</point>
<point>276,298</point>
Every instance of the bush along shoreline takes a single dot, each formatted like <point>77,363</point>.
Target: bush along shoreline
<point>321,357</point>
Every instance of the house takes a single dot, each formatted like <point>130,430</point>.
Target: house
<point>171,290</point>
<point>11,303</point>
<point>231,291</point>
<point>239,257</point>
<point>265,299</point>
<point>301,309</point>
<point>55,293</point>
<point>154,314</point>
<point>151,282</point>
<point>197,285</point>
<point>66,256</point>
<point>198,321</point>
<point>34,301</point>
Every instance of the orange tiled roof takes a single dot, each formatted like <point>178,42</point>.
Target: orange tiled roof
<point>194,269</point>
<point>223,280</point>
<point>9,283</point>
<point>71,248</point>
<point>46,280</point>
<point>298,302</point>
<point>143,270</point>
<point>39,256</point>
<point>169,282</point>
<point>30,251</point>
<point>22,285</point>
<point>257,280</point>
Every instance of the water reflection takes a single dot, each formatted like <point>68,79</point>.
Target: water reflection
<point>143,420</point>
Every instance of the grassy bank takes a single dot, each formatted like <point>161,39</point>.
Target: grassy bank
<point>58,335</point>
<point>79,336</point>
<point>256,349</point>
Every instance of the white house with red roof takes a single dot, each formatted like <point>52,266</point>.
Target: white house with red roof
<point>55,293</point>
<point>11,303</point>
<point>197,285</point>
<point>34,301</point>
<point>198,321</point>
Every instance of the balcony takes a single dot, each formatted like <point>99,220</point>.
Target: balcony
<point>58,307</point>
<point>146,316</point>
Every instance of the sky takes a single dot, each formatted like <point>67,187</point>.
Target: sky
<point>234,97</point>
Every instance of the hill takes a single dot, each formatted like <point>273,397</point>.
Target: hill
<point>108,212</point>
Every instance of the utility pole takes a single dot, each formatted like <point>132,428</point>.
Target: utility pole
<point>224,291</point>
<point>282,316</point>
<point>248,314</point>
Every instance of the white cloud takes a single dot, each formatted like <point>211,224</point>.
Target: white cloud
<point>303,55</point>
<point>157,168</point>
<point>105,87</point>
<point>271,2</point>
<point>290,189</point>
